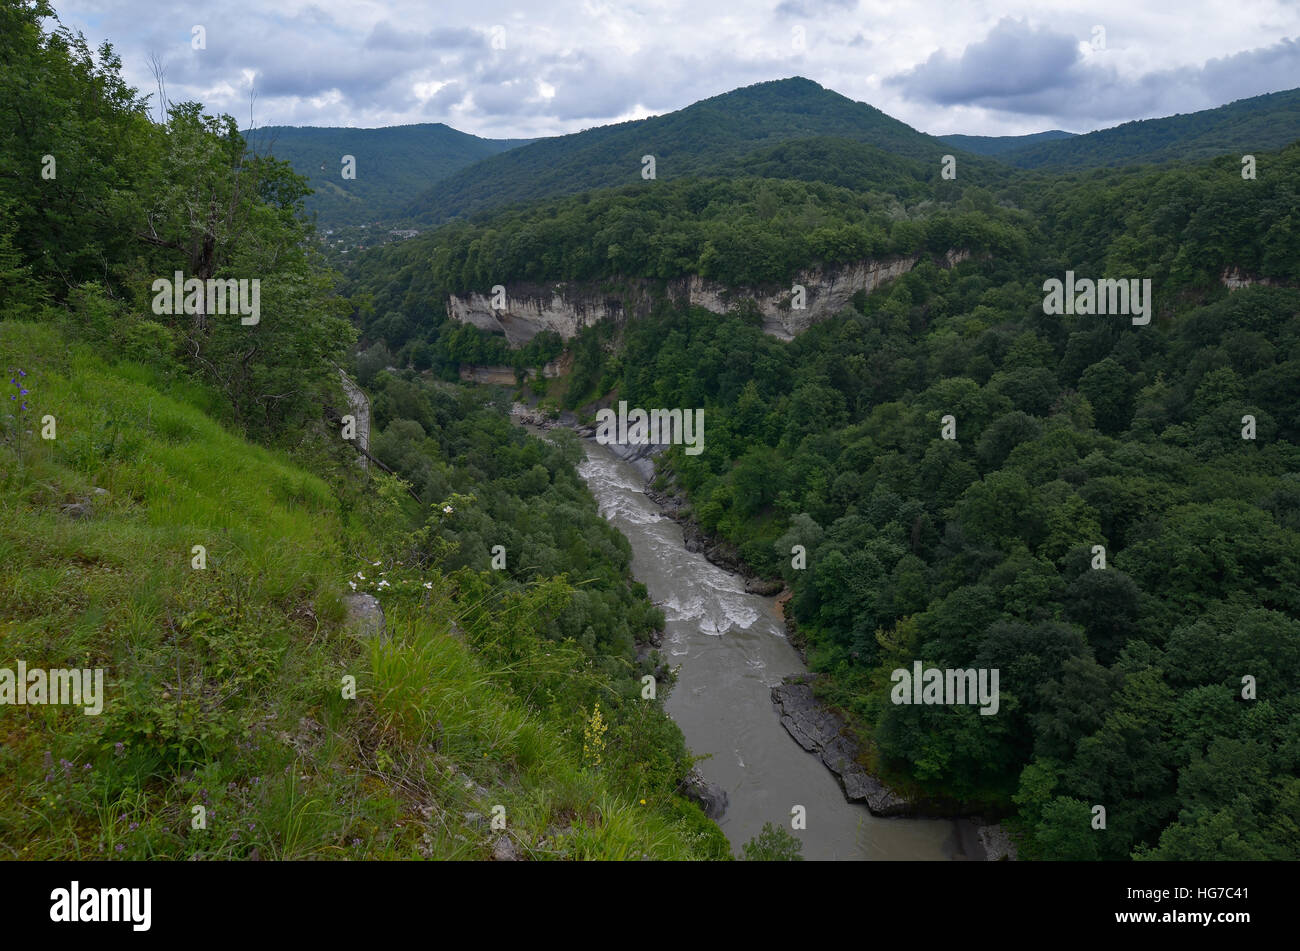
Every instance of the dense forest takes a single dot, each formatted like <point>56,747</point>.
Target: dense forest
<point>1121,685</point>
<point>1107,513</point>
<point>388,165</point>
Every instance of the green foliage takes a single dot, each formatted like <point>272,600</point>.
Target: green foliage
<point>392,164</point>
<point>773,844</point>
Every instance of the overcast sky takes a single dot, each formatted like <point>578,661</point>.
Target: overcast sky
<point>516,69</point>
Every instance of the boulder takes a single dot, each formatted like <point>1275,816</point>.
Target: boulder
<point>364,615</point>
<point>711,797</point>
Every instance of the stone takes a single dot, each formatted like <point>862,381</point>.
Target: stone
<point>364,615</point>
<point>711,797</point>
<point>78,511</point>
<point>504,850</point>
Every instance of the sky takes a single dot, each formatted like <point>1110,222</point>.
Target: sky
<point>529,69</point>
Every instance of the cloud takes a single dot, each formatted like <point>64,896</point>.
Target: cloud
<point>581,63</point>
<point>1015,60</point>
<point>1018,68</point>
<point>812,8</point>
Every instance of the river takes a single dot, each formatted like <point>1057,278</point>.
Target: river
<point>731,648</point>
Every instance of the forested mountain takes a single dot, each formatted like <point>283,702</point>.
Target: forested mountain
<point>708,138</point>
<point>391,165</point>
<point>999,144</point>
<point>1166,444</point>
<point>1105,510</point>
<point>1246,126</point>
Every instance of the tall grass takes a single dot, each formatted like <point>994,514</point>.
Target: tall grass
<point>224,685</point>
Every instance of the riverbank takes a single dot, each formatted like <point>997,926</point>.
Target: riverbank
<point>814,726</point>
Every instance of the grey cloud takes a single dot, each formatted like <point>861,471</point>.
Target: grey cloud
<point>812,8</point>
<point>387,36</point>
<point>1014,60</point>
<point>1018,69</point>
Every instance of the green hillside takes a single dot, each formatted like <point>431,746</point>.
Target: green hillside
<point>1000,144</point>
<point>179,510</point>
<point>1253,125</point>
<point>707,138</point>
<point>393,165</point>
<point>225,686</point>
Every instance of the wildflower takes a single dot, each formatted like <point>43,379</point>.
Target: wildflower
<point>643,802</point>
<point>376,563</point>
<point>429,585</point>
<point>352,585</point>
<point>384,584</point>
<point>593,736</point>
<point>448,509</point>
<point>119,847</point>
<point>136,825</point>
<point>361,576</point>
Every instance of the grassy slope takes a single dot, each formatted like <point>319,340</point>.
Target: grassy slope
<point>223,685</point>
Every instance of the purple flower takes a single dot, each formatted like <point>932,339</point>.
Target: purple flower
<point>133,827</point>
<point>22,392</point>
<point>119,847</point>
<point>21,373</point>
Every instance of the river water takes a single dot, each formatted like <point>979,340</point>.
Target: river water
<point>731,649</point>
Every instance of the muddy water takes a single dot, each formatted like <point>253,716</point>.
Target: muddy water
<point>731,649</point>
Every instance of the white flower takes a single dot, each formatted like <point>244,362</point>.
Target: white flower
<point>429,585</point>
<point>383,584</point>
<point>448,509</point>
<point>361,576</point>
<point>376,563</point>
<point>352,585</point>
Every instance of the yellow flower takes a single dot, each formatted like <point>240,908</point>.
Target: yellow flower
<point>593,737</point>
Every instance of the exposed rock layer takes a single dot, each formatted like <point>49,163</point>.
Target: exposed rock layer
<point>567,307</point>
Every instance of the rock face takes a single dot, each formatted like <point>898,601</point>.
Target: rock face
<point>819,731</point>
<point>365,615</point>
<point>359,407</point>
<point>997,843</point>
<point>567,307</point>
<point>1234,278</point>
<point>505,376</point>
<point>711,797</point>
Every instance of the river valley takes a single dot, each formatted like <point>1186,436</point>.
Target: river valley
<point>730,648</point>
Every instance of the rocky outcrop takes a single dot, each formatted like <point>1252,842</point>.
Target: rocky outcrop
<point>711,797</point>
<point>1234,278</point>
<point>819,731</point>
<point>359,407</point>
<point>567,307</point>
<point>505,376</point>
<point>365,616</point>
